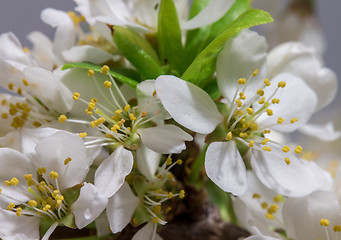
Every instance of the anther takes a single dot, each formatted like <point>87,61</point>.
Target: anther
<point>262,100</point>
<point>18,211</point>
<point>266,131</point>
<point>76,96</point>
<point>282,84</point>
<point>256,196</point>
<point>269,112</point>
<point>132,117</point>
<point>179,162</point>
<point>105,69</point>
<point>155,220</point>
<point>182,194</point>
<point>270,216</point>
<point>260,92</point>
<point>10,206</point>
<point>241,81</point>
<point>24,81</point>
<point>287,160</point>
<point>242,96</point>
<point>107,84</point>
<point>53,175</point>
<point>255,72</point>
<point>170,195</point>
<point>67,160</point>
<point>286,149</point>
<point>251,143</point>
<point>267,82</point>
<point>62,118</point>
<point>264,205</point>
<point>229,136</point>
<point>298,149</point>
<point>126,108</point>
<point>324,222</point>
<point>41,171</point>
<point>19,91</point>
<point>91,72</point>
<point>293,120</point>
<point>278,198</point>
<point>280,120</point>
<point>265,141</point>
<point>32,203</point>
<point>10,86</point>
<point>243,135</point>
<point>26,49</point>
<point>169,161</point>
<point>4,115</point>
<point>249,111</point>
<point>239,103</point>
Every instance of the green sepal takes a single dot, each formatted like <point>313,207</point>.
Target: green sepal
<point>169,37</point>
<point>69,221</point>
<point>219,134</point>
<point>72,194</point>
<point>45,225</point>
<point>138,52</point>
<point>123,79</point>
<point>194,178</point>
<point>133,143</point>
<point>201,70</point>
<point>141,215</point>
<point>139,185</point>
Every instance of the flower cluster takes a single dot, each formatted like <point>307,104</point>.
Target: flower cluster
<point>136,108</point>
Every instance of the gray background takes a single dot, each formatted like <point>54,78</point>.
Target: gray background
<point>23,16</point>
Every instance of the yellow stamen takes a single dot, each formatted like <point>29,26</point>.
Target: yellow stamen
<point>298,149</point>
<point>105,69</point>
<point>255,72</point>
<point>179,162</point>
<point>126,108</point>
<point>26,49</point>
<point>282,84</point>
<point>293,120</point>
<point>169,161</point>
<point>182,194</point>
<point>241,81</point>
<point>275,101</point>
<point>62,118</point>
<point>256,195</point>
<point>67,160</point>
<point>229,136</point>
<point>91,72</point>
<point>280,120</point>
<point>264,205</point>
<point>239,103</point>
<point>249,111</point>
<point>265,141</point>
<point>269,112</point>
<point>251,143</point>
<point>132,117</point>
<point>286,149</point>
<point>83,134</point>
<point>324,222</point>
<point>24,81</point>
<point>287,160</point>
<point>262,100</point>
<point>107,84</point>
<point>267,82</point>
<point>53,175</point>
<point>76,96</point>
<point>4,115</point>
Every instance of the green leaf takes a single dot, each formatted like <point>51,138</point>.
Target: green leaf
<point>169,37</point>
<point>198,39</point>
<point>138,52</point>
<point>123,79</point>
<point>202,68</point>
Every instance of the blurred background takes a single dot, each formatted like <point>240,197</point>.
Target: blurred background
<point>22,17</point>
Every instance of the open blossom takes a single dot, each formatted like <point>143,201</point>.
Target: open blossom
<point>41,188</point>
<point>253,105</point>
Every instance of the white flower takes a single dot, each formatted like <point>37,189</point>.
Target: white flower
<point>252,106</point>
<point>36,188</point>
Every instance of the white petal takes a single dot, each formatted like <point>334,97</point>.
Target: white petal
<point>225,167</point>
<point>165,139</point>
<point>53,150</point>
<point>239,59</point>
<point>12,228</point>
<point>49,89</point>
<point>323,132</point>
<point>86,54</point>
<point>11,49</point>
<point>147,232</point>
<point>65,36</point>
<point>297,100</point>
<point>302,215</point>
<point>121,207</point>
<point>14,164</point>
<point>147,162</point>
<point>89,205</point>
<point>188,104</point>
<point>299,178</point>
<point>205,17</point>
<point>110,175</point>
<point>300,60</point>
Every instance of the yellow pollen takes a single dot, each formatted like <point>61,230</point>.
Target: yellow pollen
<point>251,143</point>
<point>270,216</point>
<point>241,81</point>
<point>287,160</point>
<point>28,177</point>
<point>26,49</point>
<point>170,195</point>
<point>18,211</point>
<point>255,72</point>
<point>243,135</point>
<point>298,149</point>
<point>10,86</point>
<point>24,81</point>
<point>262,100</point>
<point>256,195</point>
<point>126,108</point>
<point>324,222</point>
<point>269,112</point>
<point>249,111</point>
<point>282,84</point>
<point>55,193</point>
<point>260,92</point>
<point>67,160</point>
<point>266,131</point>
<point>337,228</point>
<point>280,120</point>
<point>32,203</point>
<point>7,183</point>
<point>264,205</point>
<point>10,206</point>
<point>239,103</point>
<point>14,181</point>
<point>53,175</point>
<point>179,162</point>
<point>83,134</point>
<point>286,149</point>
<point>293,120</point>
<point>169,161</point>
<point>62,118</point>
<point>107,84</point>
<point>19,91</point>
<point>91,72</point>
<point>265,141</point>
<point>132,117</point>
<point>41,170</point>
<point>273,208</point>
<point>76,96</point>
<point>182,194</point>
<point>267,82</point>
<point>242,96</point>
<point>229,136</point>
<point>275,101</point>
<point>46,208</point>
<point>265,148</point>
<point>4,115</point>
<point>278,198</point>
<point>105,69</point>
<point>155,220</point>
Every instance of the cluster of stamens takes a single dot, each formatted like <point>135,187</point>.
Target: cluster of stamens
<point>325,224</point>
<point>271,209</point>
<point>241,120</point>
<point>47,199</point>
